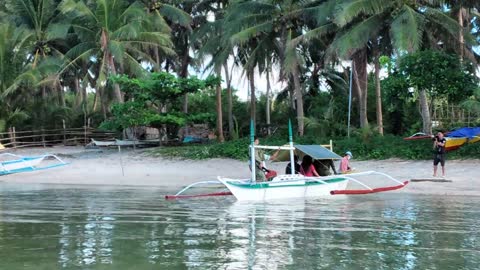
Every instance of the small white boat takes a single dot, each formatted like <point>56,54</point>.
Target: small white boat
<point>118,142</point>
<point>18,164</point>
<point>103,143</point>
<point>299,186</point>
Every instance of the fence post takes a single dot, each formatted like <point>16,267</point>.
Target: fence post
<point>64,133</point>
<point>11,135</point>
<point>43,137</point>
<point>87,129</point>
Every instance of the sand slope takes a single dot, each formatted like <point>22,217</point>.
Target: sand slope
<point>104,167</point>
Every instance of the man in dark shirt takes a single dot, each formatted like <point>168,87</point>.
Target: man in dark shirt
<point>439,153</point>
<point>288,170</point>
<point>322,166</point>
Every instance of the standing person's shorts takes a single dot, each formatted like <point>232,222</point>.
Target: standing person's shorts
<point>439,158</point>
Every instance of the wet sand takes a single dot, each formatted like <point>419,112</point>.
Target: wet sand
<point>136,168</point>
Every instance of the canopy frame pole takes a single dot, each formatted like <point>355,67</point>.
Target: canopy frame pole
<point>350,99</point>
<point>290,139</point>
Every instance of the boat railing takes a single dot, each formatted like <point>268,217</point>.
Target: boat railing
<point>180,195</point>
<point>31,167</point>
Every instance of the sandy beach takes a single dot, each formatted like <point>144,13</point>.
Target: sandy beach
<point>136,168</point>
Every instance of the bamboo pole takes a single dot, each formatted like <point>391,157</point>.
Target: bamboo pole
<point>13,140</point>
<point>64,133</point>
<point>43,137</point>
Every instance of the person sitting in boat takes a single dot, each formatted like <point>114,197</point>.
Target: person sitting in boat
<point>344,164</point>
<point>323,166</point>
<point>288,169</point>
<point>307,168</point>
<point>261,171</point>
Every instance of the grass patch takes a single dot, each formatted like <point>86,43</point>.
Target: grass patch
<point>375,147</point>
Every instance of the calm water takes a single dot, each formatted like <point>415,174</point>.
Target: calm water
<point>69,227</point>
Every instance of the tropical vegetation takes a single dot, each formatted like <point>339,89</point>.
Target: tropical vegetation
<point>124,63</point>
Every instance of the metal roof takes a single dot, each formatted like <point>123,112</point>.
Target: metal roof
<point>315,151</point>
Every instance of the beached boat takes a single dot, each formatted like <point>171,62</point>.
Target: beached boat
<point>457,138</point>
<point>417,136</point>
<point>118,142</point>
<point>293,185</point>
<point>16,164</point>
<point>454,139</point>
<point>103,143</point>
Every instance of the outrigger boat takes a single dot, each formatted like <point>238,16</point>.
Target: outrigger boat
<point>290,186</point>
<point>457,138</point>
<point>17,164</point>
<point>454,139</point>
<point>118,142</point>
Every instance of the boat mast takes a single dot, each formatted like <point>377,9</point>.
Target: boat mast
<point>252,150</point>
<point>290,139</point>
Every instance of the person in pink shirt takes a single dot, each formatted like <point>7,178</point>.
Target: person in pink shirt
<point>307,168</point>
<point>344,164</point>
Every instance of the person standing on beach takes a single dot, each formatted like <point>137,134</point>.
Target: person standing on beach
<point>439,153</point>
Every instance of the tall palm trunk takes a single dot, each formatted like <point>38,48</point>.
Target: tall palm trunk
<point>461,39</point>
<point>425,112</point>
<point>360,75</point>
<point>221,138</point>
<point>184,74</point>
<point>61,93</point>
<point>253,99</point>
<point>117,93</point>
<point>78,93</point>
<point>230,100</point>
<point>111,65</point>
<point>378,95</point>
<point>299,100</point>
<point>96,100</point>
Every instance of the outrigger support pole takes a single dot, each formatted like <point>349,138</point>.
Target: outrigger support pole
<point>290,139</point>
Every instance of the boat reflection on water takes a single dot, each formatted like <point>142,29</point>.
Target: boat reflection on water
<point>65,228</point>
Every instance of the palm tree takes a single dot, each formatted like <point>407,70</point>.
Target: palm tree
<point>264,27</point>
<point>407,25</point>
<point>212,44</point>
<point>48,32</point>
<point>116,36</point>
<point>15,72</point>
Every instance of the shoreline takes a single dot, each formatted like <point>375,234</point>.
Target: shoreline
<point>103,168</point>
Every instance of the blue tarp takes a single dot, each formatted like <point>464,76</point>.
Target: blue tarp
<point>466,132</point>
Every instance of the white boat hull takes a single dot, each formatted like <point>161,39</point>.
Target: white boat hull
<point>103,143</point>
<point>300,187</point>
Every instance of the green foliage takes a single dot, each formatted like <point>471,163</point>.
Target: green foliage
<point>148,94</point>
<point>376,147</point>
<point>442,75</point>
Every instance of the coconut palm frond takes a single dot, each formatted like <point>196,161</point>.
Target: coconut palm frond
<point>176,15</point>
<point>347,11</point>
<point>355,38</point>
<point>407,29</point>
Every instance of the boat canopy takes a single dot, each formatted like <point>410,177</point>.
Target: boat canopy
<point>466,132</point>
<point>315,151</point>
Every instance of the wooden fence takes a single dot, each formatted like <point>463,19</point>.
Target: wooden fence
<point>50,137</point>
